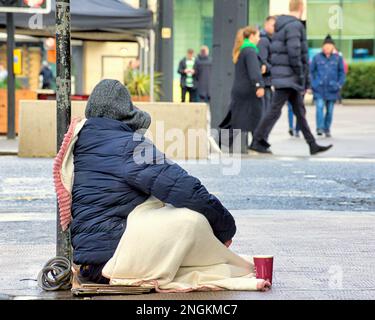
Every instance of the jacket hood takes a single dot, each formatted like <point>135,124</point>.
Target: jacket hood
<point>283,20</point>
<point>111,99</point>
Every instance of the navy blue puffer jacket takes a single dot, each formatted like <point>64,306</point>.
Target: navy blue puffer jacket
<point>289,54</point>
<point>115,170</point>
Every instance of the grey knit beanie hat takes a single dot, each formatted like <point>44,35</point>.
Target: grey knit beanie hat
<point>111,99</point>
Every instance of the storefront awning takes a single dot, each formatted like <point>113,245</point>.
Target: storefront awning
<point>90,19</point>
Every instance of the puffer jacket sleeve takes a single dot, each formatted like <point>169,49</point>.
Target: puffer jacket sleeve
<point>293,36</point>
<point>148,170</point>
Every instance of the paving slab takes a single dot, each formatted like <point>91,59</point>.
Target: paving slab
<point>318,255</point>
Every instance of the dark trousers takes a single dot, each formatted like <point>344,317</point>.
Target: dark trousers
<point>192,94</point>
<point>280,97</point>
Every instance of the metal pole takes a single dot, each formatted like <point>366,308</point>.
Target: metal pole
<point>146,55</point>
<point>143,4</point>
<point>341,25</point>
<point>164,41</point>
<point>143,52</point>
<point>63,103</point>
<point>11,132</point>
<point>229,16</point>
<point>152,64</point>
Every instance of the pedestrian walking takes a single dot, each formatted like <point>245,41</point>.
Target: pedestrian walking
<point>245,109</point>
<point>264,46</point>
<point>188,77</point>
<point>47,76</point>
<point>203,69</point>
<point>290,77</point>
<point>327,78</point>
<point>3,73</point>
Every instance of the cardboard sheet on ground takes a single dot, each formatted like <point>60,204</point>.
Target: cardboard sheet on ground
<point>80,287</point>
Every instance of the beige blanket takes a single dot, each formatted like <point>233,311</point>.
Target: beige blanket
<point>175,250</point>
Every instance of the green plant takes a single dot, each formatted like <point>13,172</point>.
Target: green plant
<point>360,81</point>
<point>4,84</point>
<point>138,84</point>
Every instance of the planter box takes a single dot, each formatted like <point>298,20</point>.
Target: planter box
<point>21,94</point>
<point>141,99</point>
<point>178,129</point>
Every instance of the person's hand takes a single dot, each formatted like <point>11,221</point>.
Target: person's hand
<point>263,285</point>
<point>260,93</point>
<point>308,91</point>
<point>189,71</point>
<point>264,69</point>
<point>228,243</point>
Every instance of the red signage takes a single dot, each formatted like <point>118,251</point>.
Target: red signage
<point>26,6</point>
<point>34,3</point>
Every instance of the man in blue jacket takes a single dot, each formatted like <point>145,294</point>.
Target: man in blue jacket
<point>111,178</point>
<point>290,77</point>
<point>327,79</point>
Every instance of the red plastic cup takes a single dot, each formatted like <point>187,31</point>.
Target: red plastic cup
<point>263,266</point>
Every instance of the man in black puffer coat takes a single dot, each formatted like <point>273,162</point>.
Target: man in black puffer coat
<point>290,77</point>
<point>115,169</point>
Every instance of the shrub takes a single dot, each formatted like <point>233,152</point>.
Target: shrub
<point>360,81</point>
<point>3,84</point>
<point>139,84</point>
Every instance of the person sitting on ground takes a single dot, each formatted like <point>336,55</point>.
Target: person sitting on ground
<point>113,175</point>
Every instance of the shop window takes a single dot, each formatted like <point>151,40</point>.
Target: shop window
<point>207,26</point>
<point>363,49</point>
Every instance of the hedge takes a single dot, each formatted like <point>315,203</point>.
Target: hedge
<point>3,84</point>
<point>360,81</point>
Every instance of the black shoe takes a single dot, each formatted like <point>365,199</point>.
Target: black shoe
<point>260,148</point>
<point>319,132</point>
<point>291,133</point>
<point>315,148</point>
<point>328,134</point>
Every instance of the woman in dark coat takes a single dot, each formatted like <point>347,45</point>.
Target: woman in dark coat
<point>245,110</point>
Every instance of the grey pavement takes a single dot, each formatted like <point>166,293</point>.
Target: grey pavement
<point>353,132</point>
<point>318,255</point>
<point>314,214</point>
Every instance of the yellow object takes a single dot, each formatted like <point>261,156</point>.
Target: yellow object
<point>17,64</point>
<point>166,33</point>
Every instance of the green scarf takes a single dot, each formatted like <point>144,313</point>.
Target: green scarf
<point>248,44</point>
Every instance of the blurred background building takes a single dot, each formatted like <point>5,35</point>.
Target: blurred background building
<point>193,26</point>
<point>353,32</point>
